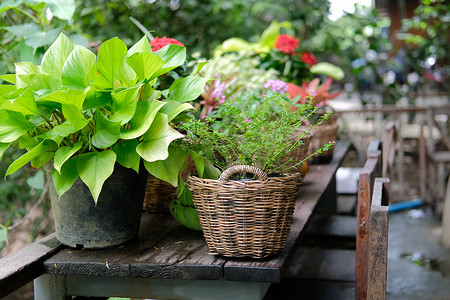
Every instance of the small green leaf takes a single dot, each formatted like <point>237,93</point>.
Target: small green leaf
<point>77,66</point>
<point>142,120</point>
<point>173,56</point>
<point>127,155</point>
<point>63,154</point>
<point>44,147</point>
<point>168,169</point>
<point>64,181</point>
<point>187,88</point>
<point>106,132</point>
<point>145,64</point>
<point>12,126</point>
<point>198,68</point>
<point>94,168</point>
<point>109,58</point>
<point>124,104</point>
<point>156,140</point>
<point>37,181</point>
<point>55,57</point>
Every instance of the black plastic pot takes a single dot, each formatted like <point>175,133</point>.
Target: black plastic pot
<point>113,221</point>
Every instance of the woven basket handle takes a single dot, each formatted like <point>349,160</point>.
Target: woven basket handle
<point>242,169</point>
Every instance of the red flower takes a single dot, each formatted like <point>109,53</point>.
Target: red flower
<point>157,43</point>
<point>308,58</point>
<point>287,44</point>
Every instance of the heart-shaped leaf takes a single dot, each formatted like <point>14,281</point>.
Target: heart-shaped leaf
<point>106,132</point>
<point>94,168</point>
<point>63,154</point>
<point>43,148</point>
<point>71,97</point>
<point>168,169</point>
<point>77,66</point>
<point>143,118</point>
<point>173,56</point>
<point>109,58</point>
<point>174,108</point>
<point>64,181</point>
<point>156,140</point>
<point>124,104</point>
<point>127,155</point>
<point>24,104</point>
<point>187,88</point>
<point>55,57</point>
<point>145,64</point>
<point>12,126</point>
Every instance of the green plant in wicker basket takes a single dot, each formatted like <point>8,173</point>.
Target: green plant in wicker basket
<point>87,111</point>
<point>262,137</point>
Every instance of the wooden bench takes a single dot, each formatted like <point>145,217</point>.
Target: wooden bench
<point>168,261</point>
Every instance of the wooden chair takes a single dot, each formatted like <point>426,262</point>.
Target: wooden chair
<point>439,159</point>
<point>330,273</point>
<point>378,245</point>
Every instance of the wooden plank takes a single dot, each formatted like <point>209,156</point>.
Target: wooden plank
<point>163,288</point>
<point>25,265</point>
<point>366,179</point>
<point>311,191</point>
<point>168,250</point>
<point>379,223</point>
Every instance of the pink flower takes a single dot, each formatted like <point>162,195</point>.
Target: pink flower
<point>157,43</point>
<point>334,142</point>
<point>277,85</point>
<point>313,93</point>
<point>203,116</point>
<point>248,120</point>
<point>287,44</point>
<point>221,99</point>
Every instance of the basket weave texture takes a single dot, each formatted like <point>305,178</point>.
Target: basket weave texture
<point>321,135</point>
<point>298,153</point>
<point>249,218</point>
<point>159,193</point>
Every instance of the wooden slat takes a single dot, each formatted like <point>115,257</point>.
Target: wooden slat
<point>371,169</point>
<point>25,265</point>
<point>379,223</point>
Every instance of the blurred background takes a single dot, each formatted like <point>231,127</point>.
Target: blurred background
<point>392,53</point>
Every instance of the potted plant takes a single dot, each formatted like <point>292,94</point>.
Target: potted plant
<point>247,210</point>
<point>87,117</point>
<point>328,130</point>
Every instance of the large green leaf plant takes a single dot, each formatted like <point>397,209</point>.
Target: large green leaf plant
<point>86,112</point>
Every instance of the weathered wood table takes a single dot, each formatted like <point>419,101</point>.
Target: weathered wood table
<point>170,261</point>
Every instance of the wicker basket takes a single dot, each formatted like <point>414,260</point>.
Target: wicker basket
<point>159,193</point>
<point>299,153</point>
<point>245,217</point>
<point>323,134</point>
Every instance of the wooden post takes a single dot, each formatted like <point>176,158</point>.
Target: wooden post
<point>445,236</point>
